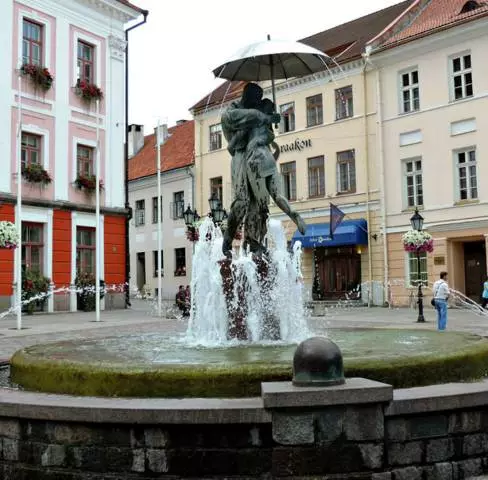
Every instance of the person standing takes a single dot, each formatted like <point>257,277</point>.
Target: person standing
<point>441,295</point>
<point>484,295</point>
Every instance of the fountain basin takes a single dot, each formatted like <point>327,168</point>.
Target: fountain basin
<point>156,366</point>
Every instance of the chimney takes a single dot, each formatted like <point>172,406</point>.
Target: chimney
<point>181,122</point>
<point>136,139</point>
<point>163,133</point>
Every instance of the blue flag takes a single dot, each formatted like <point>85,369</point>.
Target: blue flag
<point>336,217</point>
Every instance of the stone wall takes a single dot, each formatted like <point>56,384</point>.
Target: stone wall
<point>359,431</point>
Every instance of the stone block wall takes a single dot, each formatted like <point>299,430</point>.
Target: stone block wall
<point>357,431</point>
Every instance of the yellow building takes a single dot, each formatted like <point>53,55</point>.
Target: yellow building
<point>432,76</point>
<point>328,154</point>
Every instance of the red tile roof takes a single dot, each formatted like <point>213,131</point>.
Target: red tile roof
<point>131,5</point>
<point>177,152</point>
<point>344,43</point>
<point>427,17</point>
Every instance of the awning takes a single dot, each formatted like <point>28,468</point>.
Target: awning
<point>349,232</point>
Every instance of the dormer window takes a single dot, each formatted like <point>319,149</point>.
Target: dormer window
<point>469,6</point>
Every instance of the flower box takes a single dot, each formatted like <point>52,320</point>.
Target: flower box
<point>35,290</point>
<point>88,91</point>
<point>9,237</point>
<point>85,291</point>
<point>35,173</point>
<point>87,183</point>
<point>38,75</point>
<point>418,241</point>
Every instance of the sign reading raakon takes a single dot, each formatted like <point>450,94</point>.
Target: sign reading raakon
<point>296,146</point>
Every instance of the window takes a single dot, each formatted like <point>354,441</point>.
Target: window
<point>31,43</point>
<point>30,149</point>
<point>216,187</point>
<point>316,177</point>
<point>344,104</point>
<point>178,206</point>
<point>413,183</point>
<point>155,263</point>
<point>462,77</point>
<point>86,55</point>
<point>32,247</point>
<point>85,250</point>
<point>180,262</point>
<point>84,159</point>
<point>215,137</point>
<point>140,213</point>
<point>288,173</point>
<point>413,269</point>
<point>410,91</point>
<point>314,110</point>
<point>467,176</point>
<point>155,209</point>
<point>287,112</point>
<point>346,172</point>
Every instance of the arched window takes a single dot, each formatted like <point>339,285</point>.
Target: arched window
<point>469,6</point>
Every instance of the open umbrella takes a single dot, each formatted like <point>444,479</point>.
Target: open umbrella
<point>272,60</point>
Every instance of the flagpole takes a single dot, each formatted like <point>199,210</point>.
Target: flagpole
<point>97,216</point>
<point>158,146</point>
<point>18,251</point>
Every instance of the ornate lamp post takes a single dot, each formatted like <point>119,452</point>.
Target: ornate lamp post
<point>417,222</point>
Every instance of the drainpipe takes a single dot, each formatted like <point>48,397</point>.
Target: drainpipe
<point>128,210</point>
<point>368,187</point>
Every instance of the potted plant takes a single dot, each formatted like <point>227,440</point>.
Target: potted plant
<point>9,237</point>
<point>88,91</point>
<point>38,75</point>
<point>35,173</point>
<point>418,241</point>
<point>35,288</point>
<point>85,291</point>
<point>87,183</point>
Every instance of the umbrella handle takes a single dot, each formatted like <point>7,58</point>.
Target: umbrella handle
<point>273,91</point>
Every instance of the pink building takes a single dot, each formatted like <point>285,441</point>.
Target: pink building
<point>69,54</point>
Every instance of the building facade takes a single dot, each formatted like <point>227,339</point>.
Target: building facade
<point>327,140</point>
<point>81,45</point>
<point>177,191</point>
<point>433,84</point>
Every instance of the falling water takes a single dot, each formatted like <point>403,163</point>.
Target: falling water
<point>282,302</point>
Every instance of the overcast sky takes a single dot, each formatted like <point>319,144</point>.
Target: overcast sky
<point>172,56</point>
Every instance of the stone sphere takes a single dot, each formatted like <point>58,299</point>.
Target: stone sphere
<point>318,362</point>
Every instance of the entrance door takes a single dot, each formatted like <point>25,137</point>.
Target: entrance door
<point>141,270</point>
<point>339,271</point>
<point>474,269</point>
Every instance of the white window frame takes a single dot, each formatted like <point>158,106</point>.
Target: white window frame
<point>46,30</point>
<point>282,121</point>
<point>457,166</point>
<point>410,88</point>
<point>408,271</point>
<point>210,133</point>
<point>136,210</point>
<point>86,143</point>
<point>348,109</point>
<point>349,178</point>
<point>44,134</point>
<point>98,57</point>
<point>461,73</point>
<point>413,174</point>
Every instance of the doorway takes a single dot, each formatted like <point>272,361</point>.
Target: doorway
<point>474,269</point>
<point>339,272</point>
<point>141,270</point>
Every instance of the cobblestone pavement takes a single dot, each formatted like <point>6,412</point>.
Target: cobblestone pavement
<point>140,318</point>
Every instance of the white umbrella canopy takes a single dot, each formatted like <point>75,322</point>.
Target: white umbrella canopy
<point>271,60</point>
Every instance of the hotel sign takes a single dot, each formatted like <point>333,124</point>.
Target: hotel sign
<point>297,146</point>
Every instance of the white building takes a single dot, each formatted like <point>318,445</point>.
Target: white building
<point>177,191</point>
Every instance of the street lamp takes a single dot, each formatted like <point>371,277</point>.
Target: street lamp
<point>189,215</point>
<point>218,213</point>
<point>417,222</point>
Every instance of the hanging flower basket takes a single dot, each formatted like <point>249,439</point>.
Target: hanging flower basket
<point>87,183</point>
<point>415,241</point>
<point>39,76</point>
<point>34,173</point>
<point>88,91</point>
<point>8,235</point>
<point>192,234</point>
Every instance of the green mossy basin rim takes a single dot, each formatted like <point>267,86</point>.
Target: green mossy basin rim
<point>157,365</point>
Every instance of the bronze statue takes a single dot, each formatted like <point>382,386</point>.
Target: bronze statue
<point>247,127</point>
